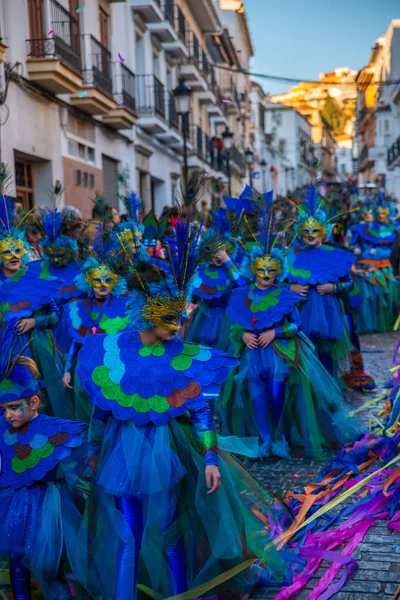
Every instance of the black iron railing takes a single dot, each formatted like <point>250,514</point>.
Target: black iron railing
<point>65,43</point>
<point>393,152</point>
<point>151,96</point>
<point>169,11</point>
<point>208,149</point>
<point>98,68</point>
<point>173,115</point>
<point>125,87</point>
<point>238,158</point>
<point>181,27</point>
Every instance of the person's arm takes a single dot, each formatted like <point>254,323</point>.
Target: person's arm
<point>48,317</point>
<point>345,285</point>
<point>72,355</point>
<point>234,274</point>
<point>291,328</point>
<point>204,430</point>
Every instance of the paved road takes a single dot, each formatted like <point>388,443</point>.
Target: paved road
<point>378,577</point>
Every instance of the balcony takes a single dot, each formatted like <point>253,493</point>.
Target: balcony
<point>393,155</point>
<point>197,70</point>
<point>177,45</point>
<point>124,116</point>
<point>55,63</point>
<point>150,10</point>
<point>206,155</point>
<point>173,136</point>
<point>97,95</point>
<point>152,104</point>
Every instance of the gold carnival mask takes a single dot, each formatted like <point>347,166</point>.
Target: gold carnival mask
<point>100,277</point>
<point>381,213</point>
<point>266,267</point>
<point>165,312</point>
<point>312,228</point>
<point>11,248</point>
<point>59,255</point>
<point>130,239</point>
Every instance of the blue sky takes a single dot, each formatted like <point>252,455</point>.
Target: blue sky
<point>301,38</point>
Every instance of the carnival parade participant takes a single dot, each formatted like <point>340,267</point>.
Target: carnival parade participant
<point>280,393</point>
<point>155,448</point>
<point>27,295</point>
<point>39,521</point>
<point>319,272</point>
<point>213,283</point>
<point>102,311</point>
<point>372,243</point>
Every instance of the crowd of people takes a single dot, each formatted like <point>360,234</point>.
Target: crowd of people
<point>141,359</point>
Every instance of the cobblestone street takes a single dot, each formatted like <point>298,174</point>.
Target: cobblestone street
<point>378,576</point>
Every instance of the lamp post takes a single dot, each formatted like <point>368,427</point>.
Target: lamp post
<point>227,136</point>
<point>182,95</point>
<point>263,165</point>
<point>249,154</point>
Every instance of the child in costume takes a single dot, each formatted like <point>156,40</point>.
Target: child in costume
<point>103,311</point>
<point>155,447</point>
<point>213,284</point>
<point>319,272</point>
<point>27,295</point>
<point>372,243</point>
<point>38,518</point>
<point>280,393</point>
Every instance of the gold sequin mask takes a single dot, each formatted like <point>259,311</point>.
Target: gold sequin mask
<point>266,267</point>
<point>165,312</point>
<point>59,255</point>
<point>101,277</point>
<point>11,248</point>
<point>312,228</point>
<point>382,213</point>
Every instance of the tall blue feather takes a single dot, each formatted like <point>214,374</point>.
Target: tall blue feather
<point>7,215</point>
<point>52,222</point>
<point>133,205</point>
<point>311,199</point>
<point>8,345</point>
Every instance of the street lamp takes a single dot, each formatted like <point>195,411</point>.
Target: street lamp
<point>227,136</point>
<point>182,95</point>
<point>263,165</point>
<point>249,154</point>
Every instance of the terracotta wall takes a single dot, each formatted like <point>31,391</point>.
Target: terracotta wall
<point>79,195</point>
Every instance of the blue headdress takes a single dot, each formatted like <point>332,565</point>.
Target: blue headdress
<point>18,374</point>
<point>383,206</point>
<point>312,213</point>
<point>130,231</point>
<point>54,226</point>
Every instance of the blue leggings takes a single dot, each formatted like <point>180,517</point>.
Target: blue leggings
<point>132,509</point>
<point>20,578</point>
<point>268,397</point>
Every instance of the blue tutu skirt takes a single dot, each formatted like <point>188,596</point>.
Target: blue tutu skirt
<point>322,317</point>
<point>210,327</point>
<point>164,469</point>
<point>379,307</point>
<point>41,523</point>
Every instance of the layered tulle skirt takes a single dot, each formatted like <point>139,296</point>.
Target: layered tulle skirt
<point>210,326</point>
<point>380,301</point>
<point>314,415</point>
<point>162,468</point>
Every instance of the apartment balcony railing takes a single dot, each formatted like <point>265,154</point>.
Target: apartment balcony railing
<point>125,87</point>
<point>238,158</point>
<point>97,65</point>
<point>393,152</point>
<point>173,117</point>
<point>206,149</point>
<point>151,96</point>
<point>65,43</point>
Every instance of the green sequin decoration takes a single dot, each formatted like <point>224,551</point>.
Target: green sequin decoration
<point>208,439</point>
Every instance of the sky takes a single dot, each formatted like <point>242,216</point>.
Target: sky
<point>301,38</point>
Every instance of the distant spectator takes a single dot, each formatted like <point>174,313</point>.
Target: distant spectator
<point>33,237</point>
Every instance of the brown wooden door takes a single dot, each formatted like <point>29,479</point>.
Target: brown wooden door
<point>103,18</point>
<point>75,26</point>
<point>24,182</point>
<point>35,11</point>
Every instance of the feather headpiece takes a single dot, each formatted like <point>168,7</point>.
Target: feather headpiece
<point>12,236</point>
<point>56,243</point>
<point>19,376</point>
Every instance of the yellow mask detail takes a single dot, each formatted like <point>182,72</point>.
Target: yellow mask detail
<point>165,312</point>
<point>312,228</point>
<point>101,276</point>
<point>11,248</point>
<point>130,239</point>
<point>266,267</point>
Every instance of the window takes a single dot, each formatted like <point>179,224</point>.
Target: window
<point>78,179</point>
<point>73,148</point>
<point>104,27</point>
<point>81,151</point>
<point>91,155</point>
<point>386,126</point>
<point>85,180</point>
<point>91,179</point>
<point>156,64</point>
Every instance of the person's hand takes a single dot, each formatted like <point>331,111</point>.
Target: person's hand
<point>222,255</point>
<point>25,325</point>
<point>93,462</point>
<point>302,290</point>
<point>373,251</point>
<point>325,288</point>
<point>66,380</point>
<point>357,251</point>
<point>250,340</point>
<point>213,479</point>
<point>265,338</point>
